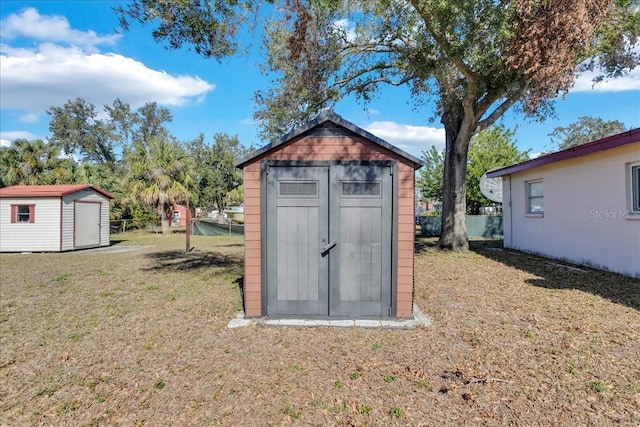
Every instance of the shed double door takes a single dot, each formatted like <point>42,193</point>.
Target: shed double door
<point>329,240</point>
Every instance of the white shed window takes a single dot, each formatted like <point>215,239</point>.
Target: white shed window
<point>635,188</point>
<point>23,213</point>
<point>535,197</point>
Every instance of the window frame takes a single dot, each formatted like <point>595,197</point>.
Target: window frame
<point>15,213</point>
<point>529,198</point>
<point>634,190</point>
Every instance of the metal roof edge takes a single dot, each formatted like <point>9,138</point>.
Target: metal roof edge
<point>606,143</point>
<point>70,189</point>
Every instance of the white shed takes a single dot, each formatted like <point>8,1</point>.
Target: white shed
<point>53,218</point>
<point>581,204</point>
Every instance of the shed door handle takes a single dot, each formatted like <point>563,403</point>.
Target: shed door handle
<point>328,247</point>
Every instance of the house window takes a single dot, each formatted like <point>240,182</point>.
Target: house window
<point>635,188</point>
<point>535,197</point>
<point>23,213</point>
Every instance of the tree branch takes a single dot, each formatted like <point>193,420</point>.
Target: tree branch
<point>500,110</point>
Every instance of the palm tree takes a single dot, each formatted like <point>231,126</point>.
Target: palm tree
<point>159,176</point>
<point>35,162</point>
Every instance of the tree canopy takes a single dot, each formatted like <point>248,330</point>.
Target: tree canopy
<point>475,59</point>
<point>586,129</point>
<point>215,173</point>
<point>160,176</point>
<point>130,153</point>
<point>492,148</point>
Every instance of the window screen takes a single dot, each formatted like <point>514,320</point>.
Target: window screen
<point>298,188</point>
<point>535,197</point>
<point>361,189</point>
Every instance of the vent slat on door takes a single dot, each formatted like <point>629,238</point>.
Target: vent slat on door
<point>361,189</point>
<point>298,188</point>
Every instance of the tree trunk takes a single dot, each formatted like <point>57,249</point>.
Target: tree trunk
<point>454,227</point>
<point>165,219</point>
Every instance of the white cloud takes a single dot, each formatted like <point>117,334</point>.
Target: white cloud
<point>347,27</point>
<point>584,83</point>
<point>66,65</point>
<point>52,75</point>
<point>6,138</point>
<point>29,118</point>
<point>412,139</point>
<point>50,28</point>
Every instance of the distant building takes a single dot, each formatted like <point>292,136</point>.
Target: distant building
<point>179,215</point>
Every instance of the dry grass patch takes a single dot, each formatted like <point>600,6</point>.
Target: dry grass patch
<point>140,338</point>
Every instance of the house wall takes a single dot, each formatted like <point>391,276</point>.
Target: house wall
<point>323,148</point>
<point>41,235</point>
<point>183,215</point>
<point>68,217</point>
<point>586,218</point>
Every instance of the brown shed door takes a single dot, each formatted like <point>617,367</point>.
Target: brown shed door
<point>329,240</point>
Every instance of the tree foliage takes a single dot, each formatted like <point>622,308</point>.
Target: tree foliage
<point>159,176</point>
<point>489,149</point>
<point>129,153</point>
<point>75,128</point>
<point>215,173</point>
<point>586,129</point>
<point>35,163</point>
<point>209,26</point>
<point>492,148</point>
<point>475,59</point>
<point>429,181</point>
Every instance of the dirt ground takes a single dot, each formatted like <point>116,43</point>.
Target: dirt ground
<point>140,338</point>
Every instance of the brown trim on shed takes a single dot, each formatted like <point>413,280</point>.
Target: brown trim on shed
<point>60,237</point>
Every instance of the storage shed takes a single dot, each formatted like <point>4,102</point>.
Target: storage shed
<point>53,218</point>
<point>329,224</point>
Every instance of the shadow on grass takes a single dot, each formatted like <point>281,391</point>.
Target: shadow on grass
<point>181,261</point>
<point>557,274</point>
<point>113,242</point>
<point>240,282</point>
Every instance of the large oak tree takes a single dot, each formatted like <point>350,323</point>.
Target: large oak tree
<point>475,59</point>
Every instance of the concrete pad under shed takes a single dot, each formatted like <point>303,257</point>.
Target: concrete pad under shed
<point>419,319</point>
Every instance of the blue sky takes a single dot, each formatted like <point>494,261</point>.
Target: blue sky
<point>55,51</point>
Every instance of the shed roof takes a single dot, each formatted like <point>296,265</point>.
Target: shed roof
<point>570,153</point>
<point>48,190</point>
<point>323,117</point>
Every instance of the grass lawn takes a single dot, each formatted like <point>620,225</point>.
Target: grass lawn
<point>139,338</point>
